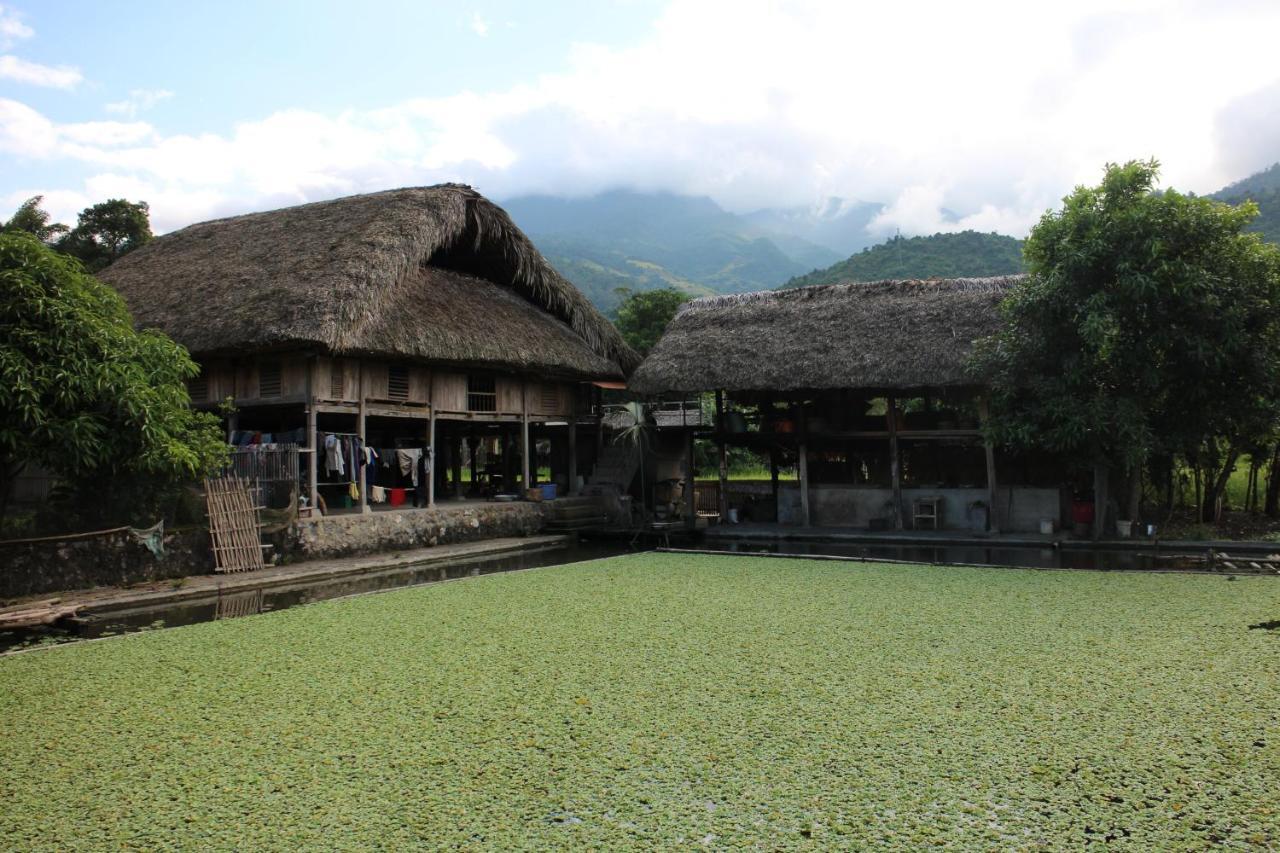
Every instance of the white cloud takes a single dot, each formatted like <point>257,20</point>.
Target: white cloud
<point>479,25</point>
<point>958,116</point>
<point>54,77</point>
<point>139,100</point>
<point>12,29</point>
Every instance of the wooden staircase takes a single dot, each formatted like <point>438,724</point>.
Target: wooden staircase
<point>616,468</point>
<point>570,515</point>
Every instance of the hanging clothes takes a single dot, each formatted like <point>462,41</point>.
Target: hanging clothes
<point>422,471</point>
<point>408,459</point>
<point>333,461</point>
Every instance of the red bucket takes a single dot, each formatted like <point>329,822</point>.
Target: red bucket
<point>1082,512</point>
<point>395,496</point>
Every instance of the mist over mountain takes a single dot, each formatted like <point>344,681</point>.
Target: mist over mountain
<point>641,241</point>
<point>836,224</point>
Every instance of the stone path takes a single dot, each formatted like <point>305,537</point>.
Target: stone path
<point>109,599</point>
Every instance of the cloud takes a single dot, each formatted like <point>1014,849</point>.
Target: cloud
<point>12,29</point>
<point>479,25</point>
<point>54,77</point>
<point>956,116</point>
<point>139,100</point>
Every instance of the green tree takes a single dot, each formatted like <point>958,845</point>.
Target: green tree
<point>35,221</point>
<point>106,231</point>
<point>82,393</point>
<point>643,317</point>
<point>1147,325</point>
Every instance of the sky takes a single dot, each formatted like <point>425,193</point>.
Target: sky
<point>955,115</point>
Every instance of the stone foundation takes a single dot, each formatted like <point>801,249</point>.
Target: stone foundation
<point>113,558</point>
<point>353,535</point>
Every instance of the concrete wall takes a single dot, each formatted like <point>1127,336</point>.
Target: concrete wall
<point>1020,508</point>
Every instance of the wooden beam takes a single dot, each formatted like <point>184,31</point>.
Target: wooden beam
<point>895,466</point>
<point>805,511</point>
<point>773,479</point>
<point>723,495</point>
<point>993,520</point>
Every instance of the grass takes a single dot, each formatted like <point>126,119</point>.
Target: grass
<point>667,700</point>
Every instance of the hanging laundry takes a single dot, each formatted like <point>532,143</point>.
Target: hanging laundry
<point>408,460</point>
<point>333,460</point>
<point>377,494</point>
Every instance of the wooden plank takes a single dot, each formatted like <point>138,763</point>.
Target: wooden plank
<point>526,483</point>
<point>805,512</point>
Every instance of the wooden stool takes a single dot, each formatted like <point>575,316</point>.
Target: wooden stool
<point>926,513</point>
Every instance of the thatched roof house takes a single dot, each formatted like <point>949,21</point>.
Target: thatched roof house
<point>426,273</point>
<point>878,335</point>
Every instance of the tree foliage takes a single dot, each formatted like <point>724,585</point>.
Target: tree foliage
<point>1147,325</point>
<point>106,231</point>
<point>960,255</point>
<point>34,220</point>
<point>82,393</point>
<point>643,317</point>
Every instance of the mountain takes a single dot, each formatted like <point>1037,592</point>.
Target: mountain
<point>836,224</point>
<point>1264,189</point>
<point>962,254</point>
<point>644,241</point>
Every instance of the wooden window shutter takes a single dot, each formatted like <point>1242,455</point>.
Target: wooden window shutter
<point>269,379</point>
<point>337,380</point>
<point>398,382</point>
<point>549,398</point>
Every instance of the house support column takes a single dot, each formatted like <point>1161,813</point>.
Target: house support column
<point>895,466</point>
<point>690,476</point>
<point>993,520</point>
<point>723,492</point>
<point>431,458</point>
<point>573,456</point>
<point>805,511</point>
<point>313,458</point>
<point>360,430</point>
<point>525,462</point>
<point>773,481</point>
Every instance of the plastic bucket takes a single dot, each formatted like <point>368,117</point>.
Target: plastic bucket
<point>395,497</point>
<point>548,491</point>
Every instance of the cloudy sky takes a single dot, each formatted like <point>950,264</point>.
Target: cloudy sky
<point>991,110</point>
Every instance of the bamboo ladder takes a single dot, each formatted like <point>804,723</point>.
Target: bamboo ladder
<point>233,525</point>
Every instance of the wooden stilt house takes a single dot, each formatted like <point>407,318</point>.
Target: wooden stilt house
<point>417,319</point>
<point>862,390</point>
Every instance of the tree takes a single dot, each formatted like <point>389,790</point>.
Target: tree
<point>1146,325</point>
<point>106,231</point>
<point>82,393</point>
<point>31,219</point>
<point>643,316</point>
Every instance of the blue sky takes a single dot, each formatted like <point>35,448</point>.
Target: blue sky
<point>991,109</point>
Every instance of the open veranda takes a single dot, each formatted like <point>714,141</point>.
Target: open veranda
<point>670,700</point>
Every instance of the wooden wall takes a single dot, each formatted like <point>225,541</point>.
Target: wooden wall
<point>338,381</point>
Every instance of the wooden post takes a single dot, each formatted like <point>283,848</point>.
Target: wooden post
<point>313,458</point>
<point>773,480</point>
<point>364,491</point>
<point>803,452</point>
<point>993,520</point>
<point>895,467</point>
<point>723,491</point>
<point>527,481</point>
<point>431,461</point>
<point>455,456</point>
<point>573,455</point>
<point>690,478</point>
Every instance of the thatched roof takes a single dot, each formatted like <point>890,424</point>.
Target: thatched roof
<point>432,273</point>
<point>881,335</point>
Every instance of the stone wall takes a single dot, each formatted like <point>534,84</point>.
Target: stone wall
<point>352,535</point>
<point>113,558</point>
